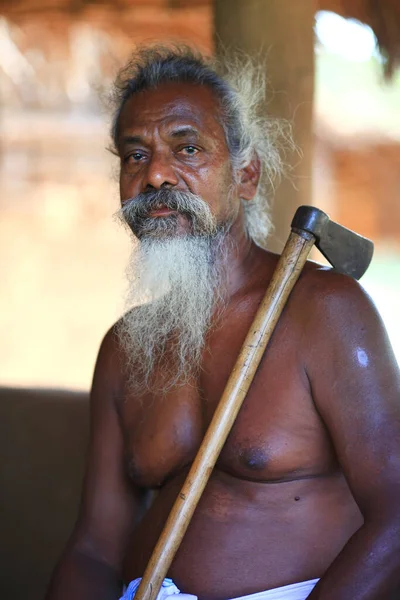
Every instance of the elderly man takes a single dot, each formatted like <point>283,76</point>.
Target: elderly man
<point>304,501</point>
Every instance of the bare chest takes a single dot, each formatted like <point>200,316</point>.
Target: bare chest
<point>277,436</point>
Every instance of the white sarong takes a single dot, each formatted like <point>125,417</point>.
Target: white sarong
<point>294,591</point>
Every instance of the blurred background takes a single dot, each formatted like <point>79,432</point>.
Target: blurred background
<point>62,257</point>
<point>331,68</point>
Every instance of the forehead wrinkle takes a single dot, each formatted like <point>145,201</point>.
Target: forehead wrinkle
<point>201,111</point>
<point>171,125</point>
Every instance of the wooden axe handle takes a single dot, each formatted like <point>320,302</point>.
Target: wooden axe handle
<point>285,276</point>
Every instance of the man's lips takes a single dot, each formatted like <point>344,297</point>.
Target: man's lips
<point>163,211</point>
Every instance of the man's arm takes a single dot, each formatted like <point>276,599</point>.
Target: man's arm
<point>355,385</point>
<point>91,564</point>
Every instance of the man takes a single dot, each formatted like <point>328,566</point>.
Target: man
<point>305,498</point>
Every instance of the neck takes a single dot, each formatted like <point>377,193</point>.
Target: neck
<point>244,259</point>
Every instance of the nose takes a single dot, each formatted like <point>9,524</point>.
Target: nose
<point>160,172</point>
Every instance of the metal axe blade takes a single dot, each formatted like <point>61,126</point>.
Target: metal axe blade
<point>348,252</point>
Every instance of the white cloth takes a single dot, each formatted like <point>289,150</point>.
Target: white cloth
<point>168,588</point>
<point>294,591</point>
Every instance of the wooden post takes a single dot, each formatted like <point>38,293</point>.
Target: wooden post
<point>283,31</point>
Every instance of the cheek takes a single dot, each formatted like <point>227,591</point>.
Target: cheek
<point>216,181</point>
<point>225,191</point>
<point>128,186</point>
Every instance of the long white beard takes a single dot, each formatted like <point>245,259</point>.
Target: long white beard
<point>175,285</point>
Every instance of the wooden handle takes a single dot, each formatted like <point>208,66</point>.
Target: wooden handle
<point>285,276</point>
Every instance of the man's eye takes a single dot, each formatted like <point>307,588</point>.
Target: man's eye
<point>134,156</point>
<point>190,150</point>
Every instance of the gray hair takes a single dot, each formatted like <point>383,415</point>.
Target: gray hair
<point>240,88</point>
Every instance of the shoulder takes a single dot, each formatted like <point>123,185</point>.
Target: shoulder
<point>317,277</point>
<point>324,302</point>
<point>327,298</point>
<point>342,334</point>
<point>110,346</point>
<point>109,373</point>
<point>339,324</point>
<point>318,283</point>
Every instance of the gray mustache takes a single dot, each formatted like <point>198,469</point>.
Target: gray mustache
<point>136,212</point>
<point>141,205</point>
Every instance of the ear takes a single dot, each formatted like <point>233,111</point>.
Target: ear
<point>248,178</point>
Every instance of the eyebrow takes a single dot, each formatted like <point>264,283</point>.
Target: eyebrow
<point>130,139</point>
<point>183,131</point>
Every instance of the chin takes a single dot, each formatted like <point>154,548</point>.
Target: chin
<point>162,228</point>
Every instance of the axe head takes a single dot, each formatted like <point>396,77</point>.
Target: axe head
<point>347,252</point>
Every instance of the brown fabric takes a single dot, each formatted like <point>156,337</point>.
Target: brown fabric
<point>43,439</point>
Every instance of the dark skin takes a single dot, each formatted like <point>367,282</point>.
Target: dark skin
<point>308,482</point>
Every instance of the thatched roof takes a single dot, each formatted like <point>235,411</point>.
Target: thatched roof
<point>383,16</point>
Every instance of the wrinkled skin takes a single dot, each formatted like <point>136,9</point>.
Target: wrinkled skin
<point>308,482</point>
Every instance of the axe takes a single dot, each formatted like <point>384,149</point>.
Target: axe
<point>348,253</point>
